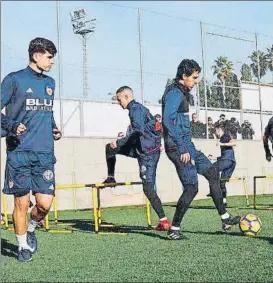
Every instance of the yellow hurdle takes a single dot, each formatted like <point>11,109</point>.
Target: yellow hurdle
<point>5,208</point>
<point>95,208</point>
<point>243,179</point>
<point>55,210</point>
<point>148,212</point>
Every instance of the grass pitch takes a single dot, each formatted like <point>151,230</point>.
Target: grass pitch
<point>208,255</point>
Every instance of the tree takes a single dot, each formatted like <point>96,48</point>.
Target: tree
<point>269,60</point>
<point>246,73</point>
<point>233,93</point>
<point>222,68</point>
<point>254,64</point>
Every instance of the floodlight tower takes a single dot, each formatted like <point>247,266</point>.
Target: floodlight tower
<point>83,28</point>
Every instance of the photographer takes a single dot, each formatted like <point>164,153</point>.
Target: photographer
<point>198,129</point>
<point>211,130</point>
<point>233,128</point>
<point>247,131</point>
<point>221,122</point>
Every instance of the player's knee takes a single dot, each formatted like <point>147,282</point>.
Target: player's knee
<point>211,174</point>
<point>191,189</point>
<point>43,209</point>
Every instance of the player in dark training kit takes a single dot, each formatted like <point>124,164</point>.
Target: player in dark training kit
<point>226,163</point>
<point>268,135</point>
<point>30,131</point>
<point>181,150</point>
<point>143,142</point>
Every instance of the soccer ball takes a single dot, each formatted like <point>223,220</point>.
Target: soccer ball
<point>251,225</point>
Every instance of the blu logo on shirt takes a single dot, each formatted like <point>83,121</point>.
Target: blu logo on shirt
<point>39,104</point>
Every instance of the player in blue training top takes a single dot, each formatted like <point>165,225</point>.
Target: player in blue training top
<point>181,150</point>
<point>226,163</point>
<point>142,141</point>
<point>30,131</point>
<point>268,135</point>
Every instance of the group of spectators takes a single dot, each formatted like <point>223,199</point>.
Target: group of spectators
<point>232,127</point>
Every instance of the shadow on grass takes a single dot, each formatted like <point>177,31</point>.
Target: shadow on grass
<point>8,249</point>
<point>87,226</point>
<point>232,234</point>
<point>198,206</point>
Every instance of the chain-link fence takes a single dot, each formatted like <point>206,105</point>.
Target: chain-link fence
<point>142,49</point>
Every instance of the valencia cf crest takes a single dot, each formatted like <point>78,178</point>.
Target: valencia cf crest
<point>49,90</point>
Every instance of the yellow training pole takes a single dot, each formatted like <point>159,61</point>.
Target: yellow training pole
<point>55,209</point>
<point>148,212</point>
<point>99,207</point>
<point>245,190</point>
<point>5,208</point>
<point>95,207</point>
<point>74,192</point>
<point>46,222</point>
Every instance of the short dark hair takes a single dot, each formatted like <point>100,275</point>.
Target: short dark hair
<point>222,115</point>
<point>123,88</point>
<point>158,116</point>
<point>40,45</point>
<point>187,67</point>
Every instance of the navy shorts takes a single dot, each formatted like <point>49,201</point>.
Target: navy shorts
<point>226,167</point>
<point>147,162</point>
<point>147,167</point>
<point>187,173</point>
<point>29,171</point>
<point>202,162</point>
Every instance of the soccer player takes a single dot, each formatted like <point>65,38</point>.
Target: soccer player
<point>29,124</point>
<point>226,163</point>
<point>181,150</point>
<point>268,135</point>
<point>143,142</point>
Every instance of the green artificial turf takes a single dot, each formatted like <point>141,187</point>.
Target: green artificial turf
<point>208,255</point>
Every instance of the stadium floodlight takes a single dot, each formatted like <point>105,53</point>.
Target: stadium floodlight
<point>83,28</point>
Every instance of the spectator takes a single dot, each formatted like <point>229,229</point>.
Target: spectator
<point>222,121</point>
<point>247,131</point>
<point>211,129</point>
<point>233,128</point>
<point>198,129</point>
<point>158,118</point>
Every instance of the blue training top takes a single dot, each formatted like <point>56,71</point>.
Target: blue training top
<point>176,121</point>
<point>227,152</point>
<point>28,97</point>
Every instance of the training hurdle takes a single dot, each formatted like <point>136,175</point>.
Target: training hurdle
<point>255,188</point>
<point>96,208</point>
<point>97,211</point>
<point>243,179</point>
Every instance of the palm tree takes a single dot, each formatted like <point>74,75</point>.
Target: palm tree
<point>254,64</point>
<point>269,59</point>
<point>223,69</point>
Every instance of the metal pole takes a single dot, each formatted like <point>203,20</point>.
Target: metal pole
<point>85,66</point>
<point>197,100</point>
<point>204,78</point>
<point>259,83</point>
<point>140,55</point>
<point>81,118</point>
<point>59,66</point>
